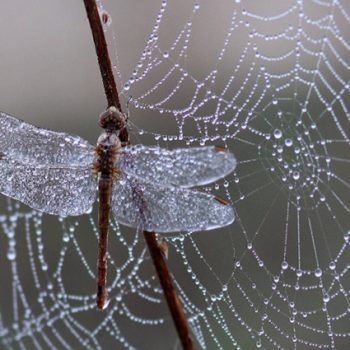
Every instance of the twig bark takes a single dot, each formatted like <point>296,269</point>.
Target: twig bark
<point>157,256</point>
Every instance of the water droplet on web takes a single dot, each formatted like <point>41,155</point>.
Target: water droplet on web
<point>326,298</point>
<point>288,142</point>
<point>318,272</point>
<point>284,265</point>
<point>296,175</point>
<point>11,254</point>
<point>277,133</point>
<point>126,86</point>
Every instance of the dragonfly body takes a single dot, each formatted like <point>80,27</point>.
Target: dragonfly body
<point>144,187</point>
<point>107,149</point>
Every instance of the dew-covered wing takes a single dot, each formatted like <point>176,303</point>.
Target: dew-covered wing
<point>166,209</point>
<point>182,167</point>
<point>54,190</point>
<point>29,144</point>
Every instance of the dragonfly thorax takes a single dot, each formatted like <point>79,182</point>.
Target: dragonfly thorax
<point>107,150</point>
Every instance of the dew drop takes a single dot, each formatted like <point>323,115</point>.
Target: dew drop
<point>277,134</point>
<point>318,272</point>
<point>11,254</point>
<point>288,142</point>
<point>326,298</point>
<point>296,175</point>
<point>126,86</point>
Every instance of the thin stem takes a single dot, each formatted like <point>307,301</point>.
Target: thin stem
<point>169,290</point>
<point>102,54</point>
<point>112,96</point>
<point>104,61</point>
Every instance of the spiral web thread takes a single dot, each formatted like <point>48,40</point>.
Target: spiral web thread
<point>271,83</point>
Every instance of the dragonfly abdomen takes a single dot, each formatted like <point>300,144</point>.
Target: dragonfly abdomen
<point>108,146</point>
<point>105,190</point>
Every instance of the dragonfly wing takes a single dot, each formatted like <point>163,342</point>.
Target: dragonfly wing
<point>53,190</point>
<point>29,144</point>
<point>182,167</point>
<point>167,209</point>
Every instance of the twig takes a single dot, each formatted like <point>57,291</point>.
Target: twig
<point>169,290</point>
<point>104,61</point>
<point>158,259</point>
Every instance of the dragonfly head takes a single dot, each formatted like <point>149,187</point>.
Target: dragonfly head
<point>112,120</point>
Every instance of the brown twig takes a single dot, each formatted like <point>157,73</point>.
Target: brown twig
<point>104,61</point>
<point>169,290</point>
<point>158,259</point>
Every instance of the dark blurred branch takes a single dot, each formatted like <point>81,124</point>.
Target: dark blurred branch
<point>157,256</point>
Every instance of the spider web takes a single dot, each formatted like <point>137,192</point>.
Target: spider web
<point>268,80</point>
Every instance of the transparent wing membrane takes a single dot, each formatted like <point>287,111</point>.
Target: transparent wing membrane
<point>136,203</point>
<point>53,190</point>
<point>29,144</point>
<point>182,167</point>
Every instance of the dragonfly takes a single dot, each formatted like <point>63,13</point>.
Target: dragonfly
<point>144,187</point>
